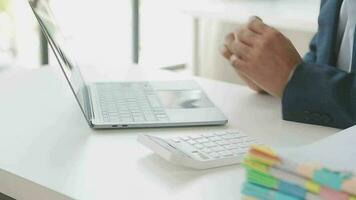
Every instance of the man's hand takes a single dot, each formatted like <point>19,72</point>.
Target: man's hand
<point>264,55</point>
<point>227,54</point>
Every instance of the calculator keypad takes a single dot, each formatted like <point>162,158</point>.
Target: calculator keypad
<point>214,145</point>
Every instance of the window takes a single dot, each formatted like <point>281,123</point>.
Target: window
<point>19,41</point>
<point>166,34</point>
<point>100,32</point>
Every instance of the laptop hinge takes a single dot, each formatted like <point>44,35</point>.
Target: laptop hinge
<point>89,104</point>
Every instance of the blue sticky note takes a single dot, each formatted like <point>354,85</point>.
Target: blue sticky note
<point>280,196</point>
<point>255,191</point>
<point>330,179</point>
<point>261,192</point>
<point>292,190</point>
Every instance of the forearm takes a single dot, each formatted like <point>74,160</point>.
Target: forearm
<point>321,95</point>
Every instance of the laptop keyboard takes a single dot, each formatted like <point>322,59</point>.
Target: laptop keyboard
<point>130,102</point>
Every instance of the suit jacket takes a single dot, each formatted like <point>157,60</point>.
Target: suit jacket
<point>318,92</point>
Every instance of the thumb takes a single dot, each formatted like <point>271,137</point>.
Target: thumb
<point>253,18</point>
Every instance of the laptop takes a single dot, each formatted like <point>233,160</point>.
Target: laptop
<point>128,104</point>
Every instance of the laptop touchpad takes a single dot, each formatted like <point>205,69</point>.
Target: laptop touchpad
<point>184,99</point>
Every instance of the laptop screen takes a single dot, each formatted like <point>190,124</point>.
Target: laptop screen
<point>51,30</point>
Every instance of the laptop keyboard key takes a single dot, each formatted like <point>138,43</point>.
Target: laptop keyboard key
<point>130,102</point>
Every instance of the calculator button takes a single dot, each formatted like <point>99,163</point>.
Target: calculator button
<point>192,142</point>
<point>199,146</point>
<point>202,156</point>
<point>202,140</point>
<point>226,153</point>
<point>228,136</point>
<point>186,148</point>
<point>206,150</point>
<point>245,149</point>
<point>235,141</point>
<point>209,135</point>
<point>214,138</point>
<point>209,144</point>
<point>214,155</point>
<point>237,151</point>
<point>249,140</point>
<point>195,137</point>
<point>173,141</point>
<point>222,142</point>
<point>176,140</point>
<point>230,146</point>
<point>234,135</point>
<point>217,148</point>
<point>184,138</point>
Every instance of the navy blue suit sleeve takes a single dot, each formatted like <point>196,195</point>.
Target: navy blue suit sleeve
<point>311,55</point>
<point>321,95</point>
<point>317,93</point>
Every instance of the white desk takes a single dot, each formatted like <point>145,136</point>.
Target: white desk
<point>47,151</point>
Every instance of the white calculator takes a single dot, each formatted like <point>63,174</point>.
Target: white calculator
<point>201,151</point>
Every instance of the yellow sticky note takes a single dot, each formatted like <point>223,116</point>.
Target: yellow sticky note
<point>255,165</point>
<point>312,187</point>
<point>248,198</point>
<point>352,198</point>
<point>263,160</point>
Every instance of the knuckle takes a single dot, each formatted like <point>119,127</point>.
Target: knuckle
<point>229,38</point>
<point>249,57</point>
<point>241,50</point>
<point>236,50</point>
<point>273,34</point>
<point>269,38</point>
<point>238,45</point>
<point>237,29</point>
<point>236,64</point>
<point>262,43</point>
<point>252,23</point>
<point>225,53</point>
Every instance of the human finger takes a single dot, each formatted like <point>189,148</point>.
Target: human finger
<point>256,25</point>
<point>241,50</point>
<point>225,52</point>
<point>247,36</point>
<point>230,38</point>
<point>238,63</point>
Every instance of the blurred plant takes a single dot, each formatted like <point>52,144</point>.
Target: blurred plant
<point>4,5</point>
<point>7,34</point>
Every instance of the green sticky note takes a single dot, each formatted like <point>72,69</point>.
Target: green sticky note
<point>262,179</point>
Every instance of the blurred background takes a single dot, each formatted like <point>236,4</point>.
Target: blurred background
<point>183,36</point>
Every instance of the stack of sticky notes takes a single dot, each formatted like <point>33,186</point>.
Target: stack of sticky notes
<point>323,170</point>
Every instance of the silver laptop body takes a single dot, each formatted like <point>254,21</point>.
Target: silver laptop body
<point>128,104</point>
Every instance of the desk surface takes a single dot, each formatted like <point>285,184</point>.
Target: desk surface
<point>47,151</point>
<point>298,15</point>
